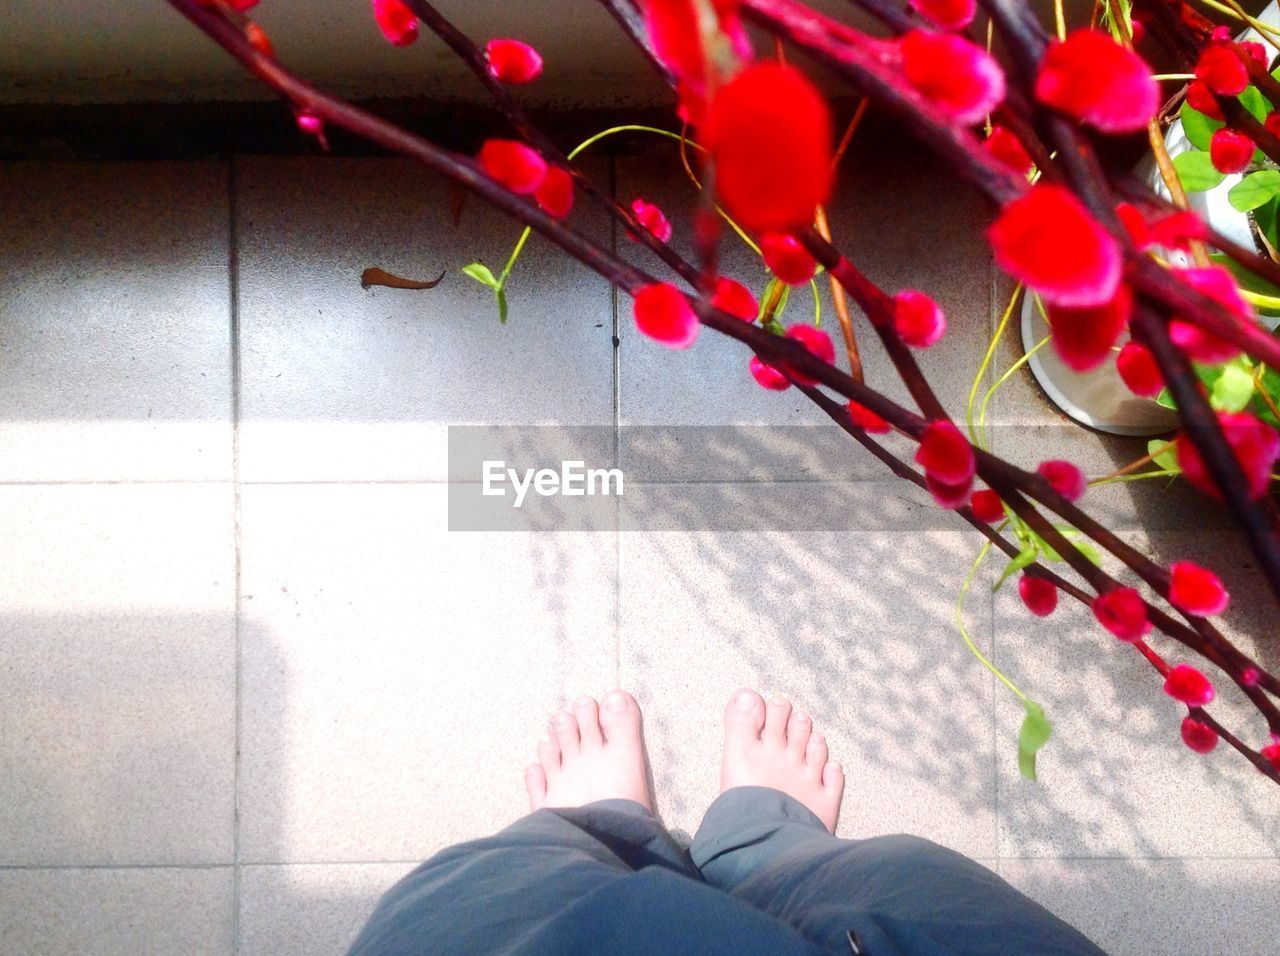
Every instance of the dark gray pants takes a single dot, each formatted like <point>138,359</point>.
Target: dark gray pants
<point>763,876</point>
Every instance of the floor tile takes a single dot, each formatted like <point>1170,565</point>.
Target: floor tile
<point>117,633</point>
<point>854,626</point>
<point>395,675</point>
<point>116,283</point>
<point>1116,779</point>
<point>299,910</point>
<point>1141,907</point>
<point>105,912</point>
<point>342,383</point>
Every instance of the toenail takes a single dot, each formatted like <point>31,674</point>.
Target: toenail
<point>779,700</point>
<point>560,719</point>
<point>616,702</point>
<point>802,717</point>
<point>582,702</point>
<point>746,701</point>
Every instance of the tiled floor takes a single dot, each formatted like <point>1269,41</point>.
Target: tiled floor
<point>250,678</point>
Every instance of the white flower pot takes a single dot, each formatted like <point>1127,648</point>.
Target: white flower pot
<point>1100,398</point>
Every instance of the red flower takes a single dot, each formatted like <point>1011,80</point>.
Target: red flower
<point>1138,368</point>
<point>1178,229</point>
<point>945,453</point>
<point>258,39</point>
<point>1250,677</point>
<point>1256,447</point>
<point>309,123</point>
<point>1200,97</point>
<point>948,14</point>
<point>651,217</point>
<point>1135,224</point>
<point>1093,78</point>
<point>664,314</point>
<point>1188,685</point>
<point>866,419</point>
<point>512,163</point>
<point>1230,151</point>
<point>787,259</point>
<point>1007,148</point>
<point>1065,478</point>
<point>987,506</point>
<point>1196,590</point>
<point>1272,123</point>
<point>1272,753</point>
<point>1199,737</point>
<point>1083,338</point>
<point>512,61</point>
<point>768,132</point>
<point>918,319</point>
<point>767,376</point>
<point>818,344</point>
<point>676,34</point>
<point>1122,612</point>
<point>1048,240</point>
<point>1256,50</point>
<point>1218,284</point>
<point>1221,70</point>
<point>396,21</point>
<point>734,298</point>
<point>555,194</point>
<point>1040,596</point>
<point>959,78</point>
<point>240,6</point>
<point>948,494</point>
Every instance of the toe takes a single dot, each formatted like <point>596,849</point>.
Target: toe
<point>776,714</point>
<point>743,718</point>
<point>815,755</point>
<point>548,755</point>
<point>588,716</point>
<point>833,778</point>
<point>535,781</point>
<point>564,728</point>
<point>620,717</point>
<point>799,727</point>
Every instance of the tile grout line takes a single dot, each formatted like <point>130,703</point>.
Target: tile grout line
<point>233,269</point>
<point>617,436</point>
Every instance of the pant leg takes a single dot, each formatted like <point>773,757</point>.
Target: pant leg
<point>492,895</point>
<point>896,894</point>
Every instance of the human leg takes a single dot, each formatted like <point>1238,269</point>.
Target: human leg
<point>768,841</point>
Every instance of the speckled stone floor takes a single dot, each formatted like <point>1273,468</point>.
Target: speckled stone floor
<point>250,677</point>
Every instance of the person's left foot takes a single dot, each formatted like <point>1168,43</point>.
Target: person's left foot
<point>594,752</point>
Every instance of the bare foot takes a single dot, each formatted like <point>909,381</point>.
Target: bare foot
<point>767,745</point>
<point>594,752</point>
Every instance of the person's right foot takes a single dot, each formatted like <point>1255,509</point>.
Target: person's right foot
<point>767,745</point>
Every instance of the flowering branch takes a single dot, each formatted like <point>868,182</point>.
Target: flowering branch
<point>804,357</point>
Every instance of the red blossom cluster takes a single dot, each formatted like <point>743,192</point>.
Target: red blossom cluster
<point>767,142</point>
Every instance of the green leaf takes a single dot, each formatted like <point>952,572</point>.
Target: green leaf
<point>1257,104</point>
<point>481,273</point>
<point>1246,279</point>
<point>1016,564</point>
<point>1198,127</point>
<point>1034,734</point>
<point>501,295</point>
<point>1270,382</point>
<point>1196,171</point>
<point>1255,189</point>
<point>1266,218</point>
<point>1166,459</point>
<point>1233,389</point>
